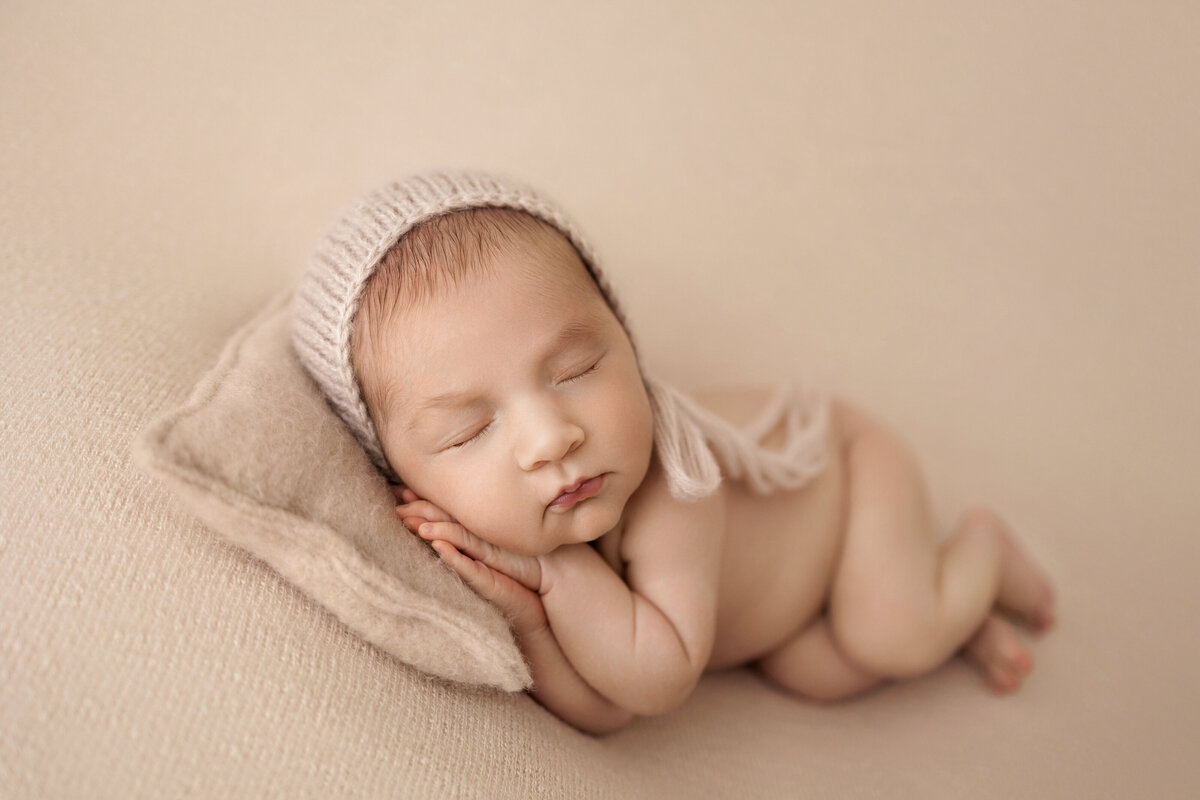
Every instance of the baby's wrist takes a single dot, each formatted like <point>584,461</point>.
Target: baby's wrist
<point>543,573</point>
<point>562,561</point>
<point>530,625</point>
<point>528,630</point>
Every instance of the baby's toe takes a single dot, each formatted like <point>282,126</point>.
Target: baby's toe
<point>1044,617</point>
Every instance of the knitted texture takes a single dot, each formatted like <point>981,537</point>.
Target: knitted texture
<point>331,291</point>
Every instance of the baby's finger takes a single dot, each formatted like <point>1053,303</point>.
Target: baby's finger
<point>523,569</point>
<point>476,574</point>
<point>403,494</point>
<point>413,523</point>
<point>423,508</point>
<point>466,542</point>
<point>521,606</point>
<point>453,533</point>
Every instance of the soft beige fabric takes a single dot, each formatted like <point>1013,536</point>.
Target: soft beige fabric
<point>257,454</point>
<point>976,219</point>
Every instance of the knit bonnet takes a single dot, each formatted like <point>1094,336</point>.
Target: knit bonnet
<point>331,290</point>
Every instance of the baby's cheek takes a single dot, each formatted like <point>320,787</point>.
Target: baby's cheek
<point>634,419</point>
<point>435,485</point>
<point>489,509</point>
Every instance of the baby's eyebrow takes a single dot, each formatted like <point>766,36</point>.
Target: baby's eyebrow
<point>569,333</point>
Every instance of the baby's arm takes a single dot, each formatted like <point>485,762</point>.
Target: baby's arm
<point>558,687</point>
<point>645,641</point>
<point>642,645</point>
<point>556,684</point>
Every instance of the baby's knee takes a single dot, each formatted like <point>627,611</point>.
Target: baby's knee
<point>981,521</point>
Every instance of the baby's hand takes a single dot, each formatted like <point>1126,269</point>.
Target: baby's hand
<point>508,580</point>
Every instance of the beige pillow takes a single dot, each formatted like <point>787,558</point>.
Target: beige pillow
<point>257,454</point>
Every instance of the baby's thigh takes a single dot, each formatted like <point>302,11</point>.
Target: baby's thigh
<point>890,543</point>
<point>887,499</point>
<point>813,665</point>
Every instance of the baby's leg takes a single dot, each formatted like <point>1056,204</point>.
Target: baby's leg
<point>1024,591</point>
<point>901,604</point>
<point>999,654</point>
<point>813,666</point>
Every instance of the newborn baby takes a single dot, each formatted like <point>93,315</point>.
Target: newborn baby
<point>633,537</point>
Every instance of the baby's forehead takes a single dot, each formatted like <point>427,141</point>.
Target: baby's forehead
<point>449,334</point>
<point>531,307</point>
<point>428,373</point>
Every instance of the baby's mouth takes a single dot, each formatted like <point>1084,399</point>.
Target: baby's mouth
<point>577,493</point>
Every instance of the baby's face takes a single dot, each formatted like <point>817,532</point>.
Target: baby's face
<point>509,390</point>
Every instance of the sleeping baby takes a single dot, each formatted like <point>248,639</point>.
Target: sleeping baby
<point>633,536</point>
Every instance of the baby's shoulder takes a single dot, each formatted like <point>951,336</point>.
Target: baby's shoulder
<point>657,525</point>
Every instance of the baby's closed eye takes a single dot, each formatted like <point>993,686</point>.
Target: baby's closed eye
<point>471,436</point>
<point>579,375</point>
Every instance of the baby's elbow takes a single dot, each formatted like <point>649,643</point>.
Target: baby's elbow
<point>661,696</point>
<point>654,706</point>
<point>611,723</point>
<point>663,678</point>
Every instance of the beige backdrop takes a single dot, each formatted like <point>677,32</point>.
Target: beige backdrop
<point>978,219</point>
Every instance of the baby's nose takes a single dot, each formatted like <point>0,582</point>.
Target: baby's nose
<point>548,438</point>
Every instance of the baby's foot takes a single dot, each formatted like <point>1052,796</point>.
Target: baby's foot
<point>997,650</point>
<point>1025,591</point>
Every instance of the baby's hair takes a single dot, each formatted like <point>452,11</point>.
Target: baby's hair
<point>428,261</point>
<point>435,254</point>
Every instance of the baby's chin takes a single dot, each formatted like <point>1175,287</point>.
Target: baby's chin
<point>593,521</point>
<point>584,524</point>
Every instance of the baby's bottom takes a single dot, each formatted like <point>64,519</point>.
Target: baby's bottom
<point>901,603</point>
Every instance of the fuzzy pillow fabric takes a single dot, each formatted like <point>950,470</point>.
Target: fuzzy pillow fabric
<point>257,454</point>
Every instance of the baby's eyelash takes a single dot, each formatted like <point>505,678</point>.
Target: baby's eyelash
<point>587,371</point>
<point>472,438</point>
